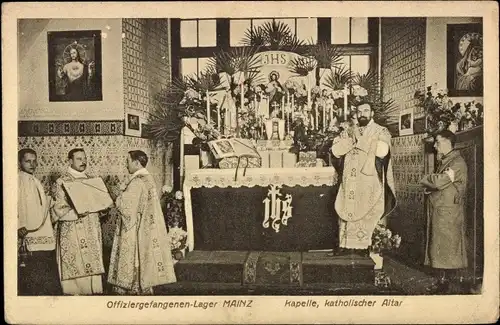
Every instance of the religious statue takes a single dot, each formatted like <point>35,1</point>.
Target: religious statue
<point>275,91</point>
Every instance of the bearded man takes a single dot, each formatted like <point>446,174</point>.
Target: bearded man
<point>362,158</point>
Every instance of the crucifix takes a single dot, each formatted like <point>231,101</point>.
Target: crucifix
<point>274,105</point>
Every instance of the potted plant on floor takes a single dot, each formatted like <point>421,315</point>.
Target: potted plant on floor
<point>175,219</point>
<point>383,241</point>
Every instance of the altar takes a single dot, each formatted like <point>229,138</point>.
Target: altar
<point>267,209</point>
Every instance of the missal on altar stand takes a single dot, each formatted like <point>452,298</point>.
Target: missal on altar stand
<point>235,147</point>
<point>88,195</point>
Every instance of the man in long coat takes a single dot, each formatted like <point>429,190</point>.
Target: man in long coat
<point>445,246</point>
<point>141,257</point>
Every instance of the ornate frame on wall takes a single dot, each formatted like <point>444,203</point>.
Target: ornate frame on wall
<point>464,68</point>
<point>405,122</point>
<point>87,87</point>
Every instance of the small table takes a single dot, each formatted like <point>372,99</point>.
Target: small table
<point>267,209</point>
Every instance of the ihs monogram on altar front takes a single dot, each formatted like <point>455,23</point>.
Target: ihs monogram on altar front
<point>277,211</point>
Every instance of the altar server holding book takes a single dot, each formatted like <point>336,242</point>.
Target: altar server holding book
<point>140,258</point>
<point>78,232</point>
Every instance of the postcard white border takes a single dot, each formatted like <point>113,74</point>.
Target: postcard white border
<point>267,309</point>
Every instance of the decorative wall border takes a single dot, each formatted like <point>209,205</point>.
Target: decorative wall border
<point>65,128</point>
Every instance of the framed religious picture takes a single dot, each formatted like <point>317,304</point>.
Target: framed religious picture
<point>75,67</point>
<point>465,60</point>
<point>133,122</point>
<point>406,122</point>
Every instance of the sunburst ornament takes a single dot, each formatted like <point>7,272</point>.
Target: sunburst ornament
<point>467,39</point>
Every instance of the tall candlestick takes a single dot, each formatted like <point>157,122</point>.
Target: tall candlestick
<point>345,102</point>
<point>324,116</point>
<point>208,107</point>
<point>218,118</point>
<point>283,107</point>
<point>181,164</point>
<point>308,93</point>
<point>293,104</point>
<point>242,91</point>
<point>331,112</point>
<point>316,119</point>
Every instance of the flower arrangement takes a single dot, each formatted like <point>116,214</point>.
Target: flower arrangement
<point>441,113</point>
<point>177,238</point>
<point>383,240</point>
<point>173,207</point>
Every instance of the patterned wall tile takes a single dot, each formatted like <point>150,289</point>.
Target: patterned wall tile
<point>146,62</point>
<point>81,128</point>
<point>403,61</point>
<point>408,219</point>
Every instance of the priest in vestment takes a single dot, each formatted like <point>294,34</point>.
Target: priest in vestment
<point>38,268</point>
<point>141,257</point>
<point>78,237</point>
<point>366,191</point>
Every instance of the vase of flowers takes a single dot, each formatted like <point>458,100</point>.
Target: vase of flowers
<point>383,240</point>
<point>442,113</point>
<point>173,207</point>
<point>177,238</point>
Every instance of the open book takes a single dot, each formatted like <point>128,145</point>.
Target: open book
<point>88,195</point>
<point>235,147</point>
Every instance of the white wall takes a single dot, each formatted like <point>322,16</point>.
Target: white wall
<point>33,71</point>
<point>435,52</point>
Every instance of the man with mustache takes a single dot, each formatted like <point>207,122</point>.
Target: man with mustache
<point>78,237</point>
<point>362,158</point>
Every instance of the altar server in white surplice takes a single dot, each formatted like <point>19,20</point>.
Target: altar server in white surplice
<point>78,239</point>
<point>141,257</point>
<point>37,267</point>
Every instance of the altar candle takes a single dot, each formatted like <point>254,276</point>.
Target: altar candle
<point>308,93</point>
<point>316,118</point>
<point>242,90</point>
<point>324,117</point>
<point>283,107</point>
<point>208,107</point>
<point>345,102</point>
<point>331,113</point>
<point>218,118</point>
<point>262,127</point>
<point>181,165</point>
<point>293,104</point>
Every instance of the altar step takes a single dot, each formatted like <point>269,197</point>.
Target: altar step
<point>295,269</point>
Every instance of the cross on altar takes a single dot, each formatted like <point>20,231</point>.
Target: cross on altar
<point>275,105</point>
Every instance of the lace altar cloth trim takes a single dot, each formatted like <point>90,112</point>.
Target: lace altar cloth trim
<point>223,178</point>
<point>316,176</point>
